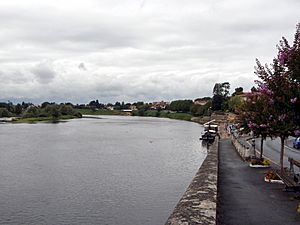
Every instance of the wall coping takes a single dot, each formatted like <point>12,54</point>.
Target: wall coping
<point>198,204</point>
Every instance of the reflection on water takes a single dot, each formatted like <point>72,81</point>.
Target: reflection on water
<point>117,170</point>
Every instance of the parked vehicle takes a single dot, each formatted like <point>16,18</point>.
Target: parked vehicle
<point>296,143</point>
<point>210,131</point>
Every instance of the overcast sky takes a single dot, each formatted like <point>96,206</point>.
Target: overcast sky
<point>135,50</point>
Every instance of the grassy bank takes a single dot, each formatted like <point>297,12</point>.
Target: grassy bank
<point>147,113</point>
<point>43,119</point>
<point>167,114</point>
<point>98,112</point>
<point>177,116</point>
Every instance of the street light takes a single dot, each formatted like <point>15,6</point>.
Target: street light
<point>253,146</point>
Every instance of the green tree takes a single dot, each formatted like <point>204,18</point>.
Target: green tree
<point>255,114</point>
<point>31,111</point>
<point>220,95</point>
<point>66,109</point>
<point>234,103</point>
<point>281,81</point>
<point>4,112</point>
<point>53,110</point>
<point>181,105</point>
<point>18,109</point>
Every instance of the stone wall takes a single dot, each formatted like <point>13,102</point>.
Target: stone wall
<point>199,203</point>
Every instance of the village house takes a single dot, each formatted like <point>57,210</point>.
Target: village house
<point>159,105</point>
<point>201,101</point>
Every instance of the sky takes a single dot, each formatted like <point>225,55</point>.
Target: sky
<point>136,50</point>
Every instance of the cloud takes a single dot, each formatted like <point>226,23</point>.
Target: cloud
<point>81,66</point>
<point>44,72</point>
<point>136,50</point>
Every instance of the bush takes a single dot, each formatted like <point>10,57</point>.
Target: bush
<point>66,110</point>
<point>32,111</point>
<point>4,113</point>
<point>151,113</point>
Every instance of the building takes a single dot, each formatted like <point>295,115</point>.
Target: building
<point>159,105</point>
<point>201,101</point>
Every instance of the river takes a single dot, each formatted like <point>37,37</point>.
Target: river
<point>113,170</point>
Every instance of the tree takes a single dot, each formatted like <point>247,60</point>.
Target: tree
<point>220,95</point>
<point>181,105</point>
<point>44,104</point>
<point>281,80</point>
<point>18,109</point>
<point>4,112</point>
<point>66,109</point>
<point>234,103</point>
<point>200,110</point>
<point>32,111</point>
<point>53,110</point>
<point>255,116</point>
<point>238,91</point>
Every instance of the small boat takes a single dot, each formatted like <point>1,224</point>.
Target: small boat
<point>210,131</point>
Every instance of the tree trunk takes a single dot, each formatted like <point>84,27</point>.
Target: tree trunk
<point>281,153</point>
<point>261,147</point>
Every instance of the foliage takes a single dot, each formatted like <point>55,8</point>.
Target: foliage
<point>201,110</point>
<point>221,89</point>
<point>151,113</point>
<point>235,103</point>
<point>4,112</point>
<point>18,109</point>
<point>44,119</point>
<point>32,111</point>
<point>272,175</point>
<point>97,112</point>
<point>180,116</point>
<point>181,105</point>
<point>66,109</point>
<point>238,91</point>
<point>275,105</point>
<point>220,95</point>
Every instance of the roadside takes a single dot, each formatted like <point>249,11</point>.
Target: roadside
<point>245,198</point>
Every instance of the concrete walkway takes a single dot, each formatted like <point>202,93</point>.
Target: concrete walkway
<point>245,199</point>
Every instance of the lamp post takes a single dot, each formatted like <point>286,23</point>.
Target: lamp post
<point>253,146</point>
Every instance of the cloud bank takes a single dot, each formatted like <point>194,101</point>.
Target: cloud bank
<point>135,50</point>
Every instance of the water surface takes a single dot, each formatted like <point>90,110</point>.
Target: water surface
<point>115,170</point>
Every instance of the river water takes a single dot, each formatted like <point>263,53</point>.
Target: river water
<point>113,170</point>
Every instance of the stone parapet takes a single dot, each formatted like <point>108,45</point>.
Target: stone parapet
<point>198,205</point>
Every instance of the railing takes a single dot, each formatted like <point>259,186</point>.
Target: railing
<point>242,148</point>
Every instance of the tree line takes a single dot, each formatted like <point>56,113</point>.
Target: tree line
<point>46,109</point>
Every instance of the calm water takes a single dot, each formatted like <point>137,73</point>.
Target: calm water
<point>115,170</point>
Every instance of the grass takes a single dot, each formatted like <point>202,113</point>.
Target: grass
<point>170,115</point>
<point>180,116</point>
<point>98,112</point>
<point>43,119</point>
<point>147,113</point>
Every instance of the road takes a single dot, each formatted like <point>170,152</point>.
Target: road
<point>272,150</point>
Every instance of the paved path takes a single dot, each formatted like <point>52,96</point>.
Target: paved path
<point>245,199</point>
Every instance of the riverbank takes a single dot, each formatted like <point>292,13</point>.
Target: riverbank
<point>43,119</point>
<point>147,113</point>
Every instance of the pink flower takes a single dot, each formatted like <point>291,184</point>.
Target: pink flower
<point>263,126</point>
<point>282,58</point>
<point>282,117</point>
<point>293,100</point>
<point>252,125</point>
<point>297,132</point>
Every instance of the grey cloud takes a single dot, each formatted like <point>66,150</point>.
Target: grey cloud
<point>44,72</point>
<point>135,49</point>
<point>81,66</point>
